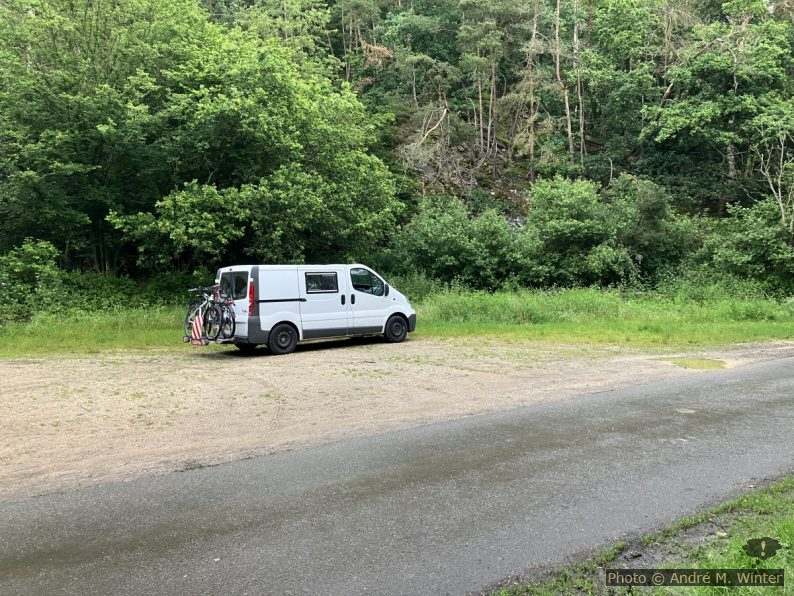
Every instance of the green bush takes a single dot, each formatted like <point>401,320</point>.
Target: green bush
<point>416,286</point>
<point>31,283</point>
<point>623,234</point>
<point>28,276</point>
<point>171,288</point>
<point>702,284</point>
<point>574,235</point>
<point>444,242</point>
<point>753,244</point>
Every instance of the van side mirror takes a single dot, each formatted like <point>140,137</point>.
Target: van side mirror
<point>386,293</point>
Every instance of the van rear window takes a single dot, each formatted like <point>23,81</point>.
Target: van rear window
<point>235,284</point>
<point>321,282</point>
<point>226,284</point>
<point>240,285</point>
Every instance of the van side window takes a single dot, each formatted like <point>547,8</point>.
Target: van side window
<point>367,282</point>
<point>240,285</point>
<point>317,283</point>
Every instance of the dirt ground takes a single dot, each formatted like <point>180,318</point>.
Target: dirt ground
<point>71,422</point>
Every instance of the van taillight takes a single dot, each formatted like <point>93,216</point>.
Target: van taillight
<point>251,300</point>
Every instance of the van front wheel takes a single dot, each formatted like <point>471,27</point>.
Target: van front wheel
<point>396,329</point>
<point>283,339</point>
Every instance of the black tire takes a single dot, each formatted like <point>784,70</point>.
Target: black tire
<point>227,323</point>
<point>213,320</point>
<point>396,329</point>
<point>283,339</point>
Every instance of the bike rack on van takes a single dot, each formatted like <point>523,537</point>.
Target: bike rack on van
<point>211,319</point>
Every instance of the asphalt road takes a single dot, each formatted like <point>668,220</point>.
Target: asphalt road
<point>441,509</point>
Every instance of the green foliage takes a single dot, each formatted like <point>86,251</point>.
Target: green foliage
<point>27,275</point>
<point>646,224</point>
<point>148,136</point>
<point>625,233</point>
<point>300,25</point>
<point>753,244</point>
<point>81,292</point>
<point>446,243</point>
<point>573,229</point>
<point>418,286</point>
<point>80,85</point>
<point>179,131</point>
<point>481,200</point>
<point>575,234</point>
<point>301,187</point>
<point>194,224</point>
<point>30,265</point>
<point>32,284</point>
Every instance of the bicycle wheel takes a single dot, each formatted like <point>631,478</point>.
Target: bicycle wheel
<point>227,323</point>
<point>191,314</point>
<point>212,322</point>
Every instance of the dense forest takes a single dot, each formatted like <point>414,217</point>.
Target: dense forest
<point>490,143</point>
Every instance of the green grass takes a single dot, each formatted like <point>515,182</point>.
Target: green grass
<point>765,512</point>
<point>563,316</point>
<point>599,316</point>
<point>86,333</point>
<point>768,512</point>
<point>696,363</point>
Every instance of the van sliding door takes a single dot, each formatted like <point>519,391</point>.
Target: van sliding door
<point>324,306</point>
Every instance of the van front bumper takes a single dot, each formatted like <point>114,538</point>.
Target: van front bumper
<point>411,323</point>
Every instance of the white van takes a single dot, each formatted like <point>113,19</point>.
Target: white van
<point>280,305</point>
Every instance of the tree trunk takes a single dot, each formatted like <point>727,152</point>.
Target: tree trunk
<point>579,86</point>
<point>413,85</point>
<point>561,83</point>
<point>533,111</point>
<point>346,44</point>
<point>491,149</point>
<point>481,116</point>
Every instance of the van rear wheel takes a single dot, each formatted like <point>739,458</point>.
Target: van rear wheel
<point>396,329</point>
<point>283,339</point>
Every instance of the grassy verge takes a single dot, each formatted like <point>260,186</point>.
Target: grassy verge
<point>565,316</point>
<point>92,332</point>
<point>596,316</point>
<point>712,540</point>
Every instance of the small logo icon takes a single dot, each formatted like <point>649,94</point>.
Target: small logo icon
<point>761,548</point>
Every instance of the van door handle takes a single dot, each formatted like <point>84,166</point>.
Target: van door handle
<point>352,298</point>
<point>343,298</point>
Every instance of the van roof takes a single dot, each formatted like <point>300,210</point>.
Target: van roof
<point>302,266</point>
